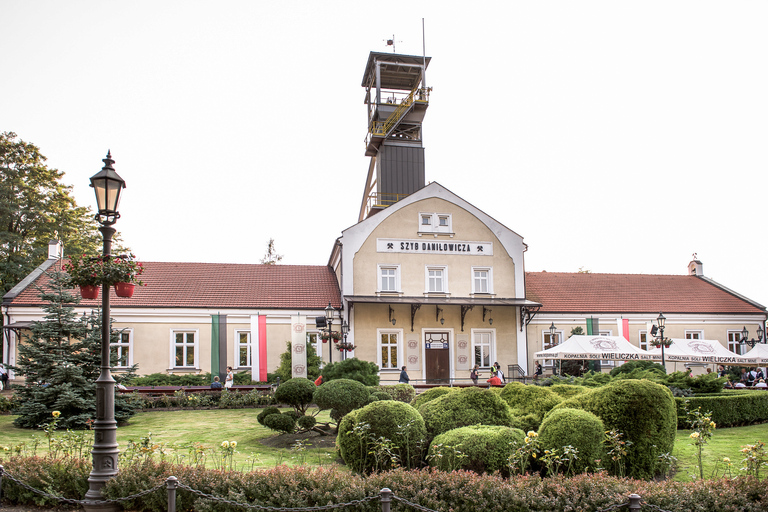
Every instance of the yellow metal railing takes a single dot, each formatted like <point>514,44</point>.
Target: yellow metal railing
<point>382,128</point>
<point>382,200</point>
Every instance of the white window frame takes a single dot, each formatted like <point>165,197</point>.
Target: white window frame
<point>695,334</point>
<point>120,345</point>
<point>558,339</point>
<point>379,269</point>
<point>491,346</point>
<point>196,348</point>
<point>399,349</point>
<point>439,223</point>
<point>643,339</point>
<point>489,280</point>
<point>734,342</point>
<point>441,268</point>
<point>604,362</point>
<point>318,343</point>
<point>239,345</point>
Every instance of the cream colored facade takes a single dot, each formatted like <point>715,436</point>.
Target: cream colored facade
<point>450,276</point>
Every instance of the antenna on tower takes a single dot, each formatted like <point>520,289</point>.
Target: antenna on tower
<point>391,42</point>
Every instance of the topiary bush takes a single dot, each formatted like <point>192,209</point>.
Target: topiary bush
<point>567,390</point>
<point>630,366</point>
<point>306,422</point>
<point>577,428</point>
<point>469,406</point>
<point>381,395</point>
<point>341,396</point>
<point>530,401</point>
<point>430,395</point>
<point>644,412</point>
<point>353,369</point>
<point>266,412</point>
<point>297,393</point>
<point>478,448</point>
<point>280,422</point>
<point>381,435</point>
<point>729,409</point>
<point>400,392</point>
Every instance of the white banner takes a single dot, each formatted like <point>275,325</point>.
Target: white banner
<point>432,247</point>
<point>298,346</point>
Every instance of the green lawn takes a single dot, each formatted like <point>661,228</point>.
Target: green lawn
<point>175,433</point>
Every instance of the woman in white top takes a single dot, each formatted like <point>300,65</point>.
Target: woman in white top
<point>230,379</point>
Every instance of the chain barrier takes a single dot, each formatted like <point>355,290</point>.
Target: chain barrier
<point>275,509</point>
<point>634,503</point>
<point>70,501</point>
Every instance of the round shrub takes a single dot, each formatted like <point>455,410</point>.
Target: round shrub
<point>296,392</point>
<point>381,395</point>
<point>354,369</point>
<point>642,411</point>
<point>567,390</point>
<point>469,406</point>
<point>370,437</point>
<point>479,448</point>
<point>341,396</point>
<point>530,400</point>
<point>266,412</point>
<point>430,395</point>
<point>280,422</point>
<point>579,429</point>
<point>400,392</point>
<point>306,422</point>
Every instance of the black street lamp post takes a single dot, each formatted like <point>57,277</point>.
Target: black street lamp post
<point>108,187</point>
<point>344,332</point>
<point>745,337</point>
<point>552,334</point>
<point>329,313</point>
<point>662,320</point>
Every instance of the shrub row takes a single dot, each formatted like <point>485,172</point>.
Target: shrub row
<point>223,399</point>
<point>730,409</point>
<point>459,491</point>
<point>202,379</point>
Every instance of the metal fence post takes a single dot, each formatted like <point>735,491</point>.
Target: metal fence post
<point>634,501</point>
<point>170,484</point>
<point>386,499</point>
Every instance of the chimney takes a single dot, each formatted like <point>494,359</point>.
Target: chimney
<point>695,267</point>
<point>55,250</point>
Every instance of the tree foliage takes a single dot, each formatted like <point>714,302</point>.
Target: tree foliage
<point>271,257</point>
<point>60,362</point>
<point>36,207</point>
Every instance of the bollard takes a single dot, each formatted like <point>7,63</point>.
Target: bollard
<point>170,484</point>
<point>386,499</point>
<point>634,501</point>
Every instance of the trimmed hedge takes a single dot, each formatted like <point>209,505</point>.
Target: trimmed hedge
<point>469,406</point>
<point>381,435</point>
<point>730,409</point>
<point>341,396</point>
<point>644,412</point>
<point>400,392</point>
<point>431,394</point>
<point>479,448</point>
<point>296,392</point>
<point>580,429</point>
<point>530,403</point>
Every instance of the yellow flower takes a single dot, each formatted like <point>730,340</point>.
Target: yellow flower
<point>694,435</point>
<point>533,455</point>
<point>225,444</point>
<point>726,459</point>
<point>233,444</point>
<point>55,414</point>
<point>713,425</point>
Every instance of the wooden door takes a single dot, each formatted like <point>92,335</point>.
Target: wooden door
<point>437,360</point>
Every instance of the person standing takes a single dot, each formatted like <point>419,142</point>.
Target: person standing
<point>539,370</point>
<point>474,374</point>
<point>499,373</point>
<point>3,377</point>
<point>404,379</point>
<point>230,379</point>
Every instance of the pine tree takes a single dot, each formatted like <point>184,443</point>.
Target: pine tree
<point>60,363</point>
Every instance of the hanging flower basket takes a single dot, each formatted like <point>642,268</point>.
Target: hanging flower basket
<point>349,347</point>
<point>335,335</point>
<point>88,291</point>
<point>659,342</point>
<point>124,289</point>
<point>104,270</point>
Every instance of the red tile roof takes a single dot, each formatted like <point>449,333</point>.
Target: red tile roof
<point>222,285</point>
<point>562,292</point>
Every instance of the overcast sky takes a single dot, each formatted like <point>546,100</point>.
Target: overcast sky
<point>614,136</point>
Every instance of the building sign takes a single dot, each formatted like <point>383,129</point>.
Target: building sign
<point>436,344</point>
<point>431,247</point>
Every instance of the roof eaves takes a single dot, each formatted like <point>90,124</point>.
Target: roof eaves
<point>31,278</point>
<point>735,294</point>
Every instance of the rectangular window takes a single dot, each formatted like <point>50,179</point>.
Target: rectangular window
<point>436,280</point>
<point>443,221</point>
<point>644,339</point>
<point>313,338</point>
<point>482,280</point>
<point>389,278</point>
<point>426,220</point>
<point>389,349</point>
<point>185,349</point>
<point>482,348</point>
<point>549,342</point>
<point>121,350</point>
<point>243,349</point>
<point>734,342</point>
<point>694,335</point>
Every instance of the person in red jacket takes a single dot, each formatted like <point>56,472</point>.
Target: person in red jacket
<point>494,380</point>
<point>319,380</point>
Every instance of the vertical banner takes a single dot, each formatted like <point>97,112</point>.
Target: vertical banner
<point>215,345</point>
<point>223,347</point>
<point>463,355</point>
<point>255,349</point>
<point>625,328</point>
<point>298,346</point>
<point>263,348</point>
<point>589,327</point>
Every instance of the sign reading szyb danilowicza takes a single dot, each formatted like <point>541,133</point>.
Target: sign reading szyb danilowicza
<point>434,247</point>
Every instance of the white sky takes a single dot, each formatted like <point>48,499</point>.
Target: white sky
<point>614,136</point>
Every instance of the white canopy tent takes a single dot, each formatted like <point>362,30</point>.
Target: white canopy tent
<point>760,353</point>
<point>702,351</point>
<point>597,348</point>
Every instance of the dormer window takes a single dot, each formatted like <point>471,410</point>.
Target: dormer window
<point>426,220</point>
<point>435,223</point>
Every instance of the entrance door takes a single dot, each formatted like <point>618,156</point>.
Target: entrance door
<point>437,360</point>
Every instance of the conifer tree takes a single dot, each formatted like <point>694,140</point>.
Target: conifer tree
<point>60,362</point>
